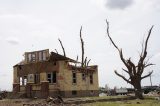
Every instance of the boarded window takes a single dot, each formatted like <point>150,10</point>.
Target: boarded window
<point>36,78</point>
<point>91,78</point>
<point>74,78</point>
<point>52,77</point>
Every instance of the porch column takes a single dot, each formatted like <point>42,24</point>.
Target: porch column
<point>29,89</point>
<point>16,81</point>
<point>44,85</point>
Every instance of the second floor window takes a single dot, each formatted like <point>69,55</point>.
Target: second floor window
<point>52,77</point>
<point>91,78</point>
<point>31,57</point>
<point>44,55</point>
<point>40,56</point>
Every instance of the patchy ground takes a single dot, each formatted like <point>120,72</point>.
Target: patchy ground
<point>86,101</point>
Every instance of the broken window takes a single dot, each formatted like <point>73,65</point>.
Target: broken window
<point>33,57</point>
<point>40,56</point>
<point>29,57</point>
<point>23,80</point>
<point>74,79</point>
<point>44,55</point>
<point>91,78</point>
<point>36,78</point>
<point>52,77</point>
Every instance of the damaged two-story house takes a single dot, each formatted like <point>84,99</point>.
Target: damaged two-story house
<point>42,74</point>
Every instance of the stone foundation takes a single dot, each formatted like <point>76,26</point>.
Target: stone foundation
<point>65,94</point>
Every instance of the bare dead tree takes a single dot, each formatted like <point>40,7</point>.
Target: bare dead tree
<point>82,46</point>
<point>64,53</point>
<point>134,70</point>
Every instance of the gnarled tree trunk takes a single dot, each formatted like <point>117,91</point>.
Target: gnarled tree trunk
<point>133,70</point>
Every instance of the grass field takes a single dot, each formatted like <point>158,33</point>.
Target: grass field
<point>146,102</point>
<point>87,101</point>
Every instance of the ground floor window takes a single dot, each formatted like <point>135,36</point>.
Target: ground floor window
<point>52,77</point>
<point>23,80</point>
<point>74,92</point>
<point>36,78</point>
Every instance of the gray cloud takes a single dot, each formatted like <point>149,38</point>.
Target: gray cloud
<point>13,40</point>
<point>118,4</point>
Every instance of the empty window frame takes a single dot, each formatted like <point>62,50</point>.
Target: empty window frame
<point>74,78</point>
<point>52,77</point>
<point>36,78</point>
<point>91,78</point>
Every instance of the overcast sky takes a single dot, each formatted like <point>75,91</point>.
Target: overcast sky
<point>27,25</point>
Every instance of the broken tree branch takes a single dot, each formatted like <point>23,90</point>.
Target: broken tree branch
<point>147,75</point>
<point>88,62</point>
<point>82,46</point>
<point>110,37</point>
<point>122,77</point>
<point>64,53</point>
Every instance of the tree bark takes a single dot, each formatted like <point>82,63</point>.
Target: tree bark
<point>138,90</point>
